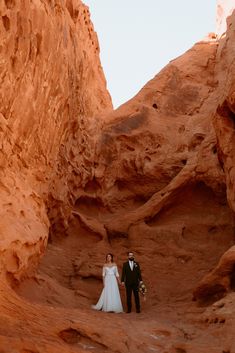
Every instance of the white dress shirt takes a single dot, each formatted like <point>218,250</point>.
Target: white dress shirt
<point>131,263</point>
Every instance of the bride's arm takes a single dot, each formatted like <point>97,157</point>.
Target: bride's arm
<point>103,274</point>
<point>117,275</point>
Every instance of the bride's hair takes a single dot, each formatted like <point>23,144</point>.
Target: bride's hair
<point>106,258</point>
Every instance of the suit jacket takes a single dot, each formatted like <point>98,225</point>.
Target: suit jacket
<point>131,277</point>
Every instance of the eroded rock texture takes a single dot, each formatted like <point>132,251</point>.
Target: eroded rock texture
<point>52,85</point>
<point>224,9</point>
<point>156,176</point>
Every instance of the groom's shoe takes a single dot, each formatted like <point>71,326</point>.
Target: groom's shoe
<point>138,311</point>
<point>128,311</point>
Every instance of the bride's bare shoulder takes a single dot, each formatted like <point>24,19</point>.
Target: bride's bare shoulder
<point>113,264</point>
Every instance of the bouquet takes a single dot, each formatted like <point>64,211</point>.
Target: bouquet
<point>142,289</point>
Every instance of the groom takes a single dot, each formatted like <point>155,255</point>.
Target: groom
<point>131,277</point>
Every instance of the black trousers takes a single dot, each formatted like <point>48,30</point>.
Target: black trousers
<point>135,289</point>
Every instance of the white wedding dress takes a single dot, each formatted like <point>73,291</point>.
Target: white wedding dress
<point>110,297</point>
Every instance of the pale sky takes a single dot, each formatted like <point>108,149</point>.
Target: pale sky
<point>138,38</point>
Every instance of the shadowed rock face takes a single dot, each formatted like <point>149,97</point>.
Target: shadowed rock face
<point>155,176</point>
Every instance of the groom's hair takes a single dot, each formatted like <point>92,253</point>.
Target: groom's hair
<point>129,252</point>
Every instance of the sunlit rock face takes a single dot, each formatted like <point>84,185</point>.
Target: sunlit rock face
<point>155,176</point>
<point>164,186</point>
<point>160,142</point>
<point>224,9</point>
<point>52,85</point>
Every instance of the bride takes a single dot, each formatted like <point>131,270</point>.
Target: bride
<point>110,297</point>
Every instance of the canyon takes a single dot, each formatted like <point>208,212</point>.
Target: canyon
<point>80,179</point>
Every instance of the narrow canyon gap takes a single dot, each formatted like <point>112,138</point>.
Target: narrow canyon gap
<point>79,179</point>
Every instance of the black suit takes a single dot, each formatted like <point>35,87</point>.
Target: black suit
<point>131,278</point>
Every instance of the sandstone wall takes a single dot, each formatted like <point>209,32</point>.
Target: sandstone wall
<point>64,155</point>
<point>156,176</point>
<point>162,140</point>
<point>52,85</point>
<point>224,9</point>
<point>224,118</point>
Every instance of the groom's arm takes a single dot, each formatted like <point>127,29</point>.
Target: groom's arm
<point>139,274</point>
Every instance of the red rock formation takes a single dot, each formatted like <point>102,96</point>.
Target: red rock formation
<point>220,281</point>
<point>155,176</point>
<point>224,117</point>
<point>224,9</point>
<point>161,141</point>
<point>52,84</point>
